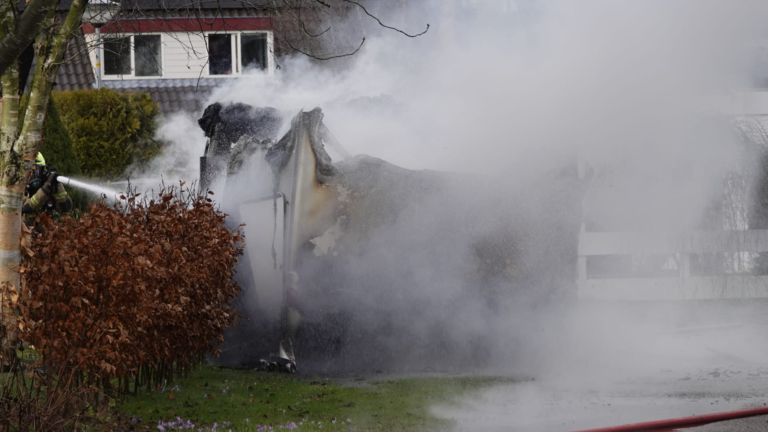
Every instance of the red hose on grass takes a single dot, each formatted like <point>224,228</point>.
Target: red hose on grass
<point>686,422</point>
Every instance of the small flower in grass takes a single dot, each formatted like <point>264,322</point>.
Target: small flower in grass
<point>247,420</point>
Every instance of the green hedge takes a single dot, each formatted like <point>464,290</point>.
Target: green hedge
<point>110,131</point>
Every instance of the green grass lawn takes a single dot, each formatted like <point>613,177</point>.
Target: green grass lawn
<point>248,401</point>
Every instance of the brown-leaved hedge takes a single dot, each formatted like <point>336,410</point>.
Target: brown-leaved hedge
<point>132,286</point>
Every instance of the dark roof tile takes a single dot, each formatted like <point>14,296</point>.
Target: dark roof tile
<point>176,99</point>
<point>76,72</point>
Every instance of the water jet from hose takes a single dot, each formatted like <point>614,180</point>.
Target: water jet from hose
<point>109,193</point>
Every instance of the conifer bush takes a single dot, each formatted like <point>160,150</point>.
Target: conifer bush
<point>59,153</point>
<point>57,144</point>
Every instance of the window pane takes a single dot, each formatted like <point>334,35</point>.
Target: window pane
<point>220,54</point>
<point>147,55</point>
<point>254,52</point>
<point>117,56</point>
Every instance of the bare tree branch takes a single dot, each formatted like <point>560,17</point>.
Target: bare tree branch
<point>378,20</point>
<point>304,27</point>
<point>325,58</point>
<point>27,28</point>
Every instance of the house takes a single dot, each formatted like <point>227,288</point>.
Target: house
<point>178,51</point>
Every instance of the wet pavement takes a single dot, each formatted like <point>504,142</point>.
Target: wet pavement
<point>659,376</point>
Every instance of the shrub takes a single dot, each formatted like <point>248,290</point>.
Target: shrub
<point>142,286</point>
<point>110,131</point>
<point>59,153</point>
<point>57,144</point>
<point>136,290</point>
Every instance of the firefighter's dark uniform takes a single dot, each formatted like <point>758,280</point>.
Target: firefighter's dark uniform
<point>48,197</point>
<point>44,200</point>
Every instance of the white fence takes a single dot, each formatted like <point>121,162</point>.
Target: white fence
<point>680,281</point>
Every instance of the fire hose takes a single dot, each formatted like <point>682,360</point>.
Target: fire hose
<point>686,422</point>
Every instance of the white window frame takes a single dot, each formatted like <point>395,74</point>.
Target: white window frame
<point>270,51</point>
<point>237,55</point>
<point>132,75</point>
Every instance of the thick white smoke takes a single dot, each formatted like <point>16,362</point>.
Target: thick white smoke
<point>180,160</point>
<point>511,90</point>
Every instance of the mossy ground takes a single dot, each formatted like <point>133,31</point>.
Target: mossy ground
<point>249,401</point>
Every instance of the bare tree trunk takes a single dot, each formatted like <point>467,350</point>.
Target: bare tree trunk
<point>19,146</point>
<point>10,199</point>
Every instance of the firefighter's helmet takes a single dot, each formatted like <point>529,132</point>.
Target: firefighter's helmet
<point>38,175</point>
<point>39,160</point>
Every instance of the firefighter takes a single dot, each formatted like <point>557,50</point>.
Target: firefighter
<point>44,193</point>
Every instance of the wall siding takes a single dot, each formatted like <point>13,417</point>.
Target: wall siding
<point>184,55</point>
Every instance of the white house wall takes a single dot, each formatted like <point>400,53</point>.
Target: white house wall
<point>184,56</point>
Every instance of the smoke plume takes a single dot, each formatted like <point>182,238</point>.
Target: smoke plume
<point>513,97</point>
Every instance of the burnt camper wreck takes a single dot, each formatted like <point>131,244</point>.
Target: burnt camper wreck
<point>360,264</point>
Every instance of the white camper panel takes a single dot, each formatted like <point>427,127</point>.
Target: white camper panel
<point>264,228</point>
